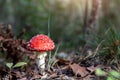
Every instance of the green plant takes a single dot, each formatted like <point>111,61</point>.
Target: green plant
<point>11,66</point>
<point>19,64</point>
<point>52,58</point>
<point>110,47</point>
<point>111,75</point>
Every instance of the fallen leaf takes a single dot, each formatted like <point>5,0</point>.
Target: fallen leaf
<point>91,68</point>
<point>1,38</point>
<point>54,75</point>
<point>89,77</point>
<point>78,70</point>
<point>63,61</point>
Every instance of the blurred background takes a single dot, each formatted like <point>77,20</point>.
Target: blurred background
<point>71,23</point>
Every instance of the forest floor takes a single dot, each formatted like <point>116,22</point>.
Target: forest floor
<point>72,67</point>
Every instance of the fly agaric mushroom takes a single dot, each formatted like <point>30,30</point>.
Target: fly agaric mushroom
<point>41,44</point>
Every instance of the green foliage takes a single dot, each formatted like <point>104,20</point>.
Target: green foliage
<point>111,45</point>
<point>34,19</point>
<point>19,64</point>
<point>114,74</point>
<point>9,65</point>
<point>110,78</point>
<point>99,72</point>
<point>52,58</point>
<point>111,75</point>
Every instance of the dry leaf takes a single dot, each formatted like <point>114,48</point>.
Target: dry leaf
<point>89,77</point>
<point>91,68</point>
<point>54,75</point>
<point>78,70</point>
<point>1,38</point>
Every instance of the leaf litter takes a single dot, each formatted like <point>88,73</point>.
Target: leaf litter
<point>71,67</point>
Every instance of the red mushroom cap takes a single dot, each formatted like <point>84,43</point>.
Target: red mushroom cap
<point>41,43</point>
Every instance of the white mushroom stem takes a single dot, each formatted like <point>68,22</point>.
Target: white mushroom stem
<point>41,60</point>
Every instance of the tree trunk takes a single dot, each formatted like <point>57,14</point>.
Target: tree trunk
<point>91,24</point>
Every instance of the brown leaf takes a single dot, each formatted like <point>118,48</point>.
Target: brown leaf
<point>54,75</point>
<point>1,38</point>
<point>78,70</point>
<point>89,77</point>
<point>63,61</point>
<point>91,68</point>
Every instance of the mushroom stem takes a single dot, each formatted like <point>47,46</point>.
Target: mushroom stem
<point>41,59</point>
